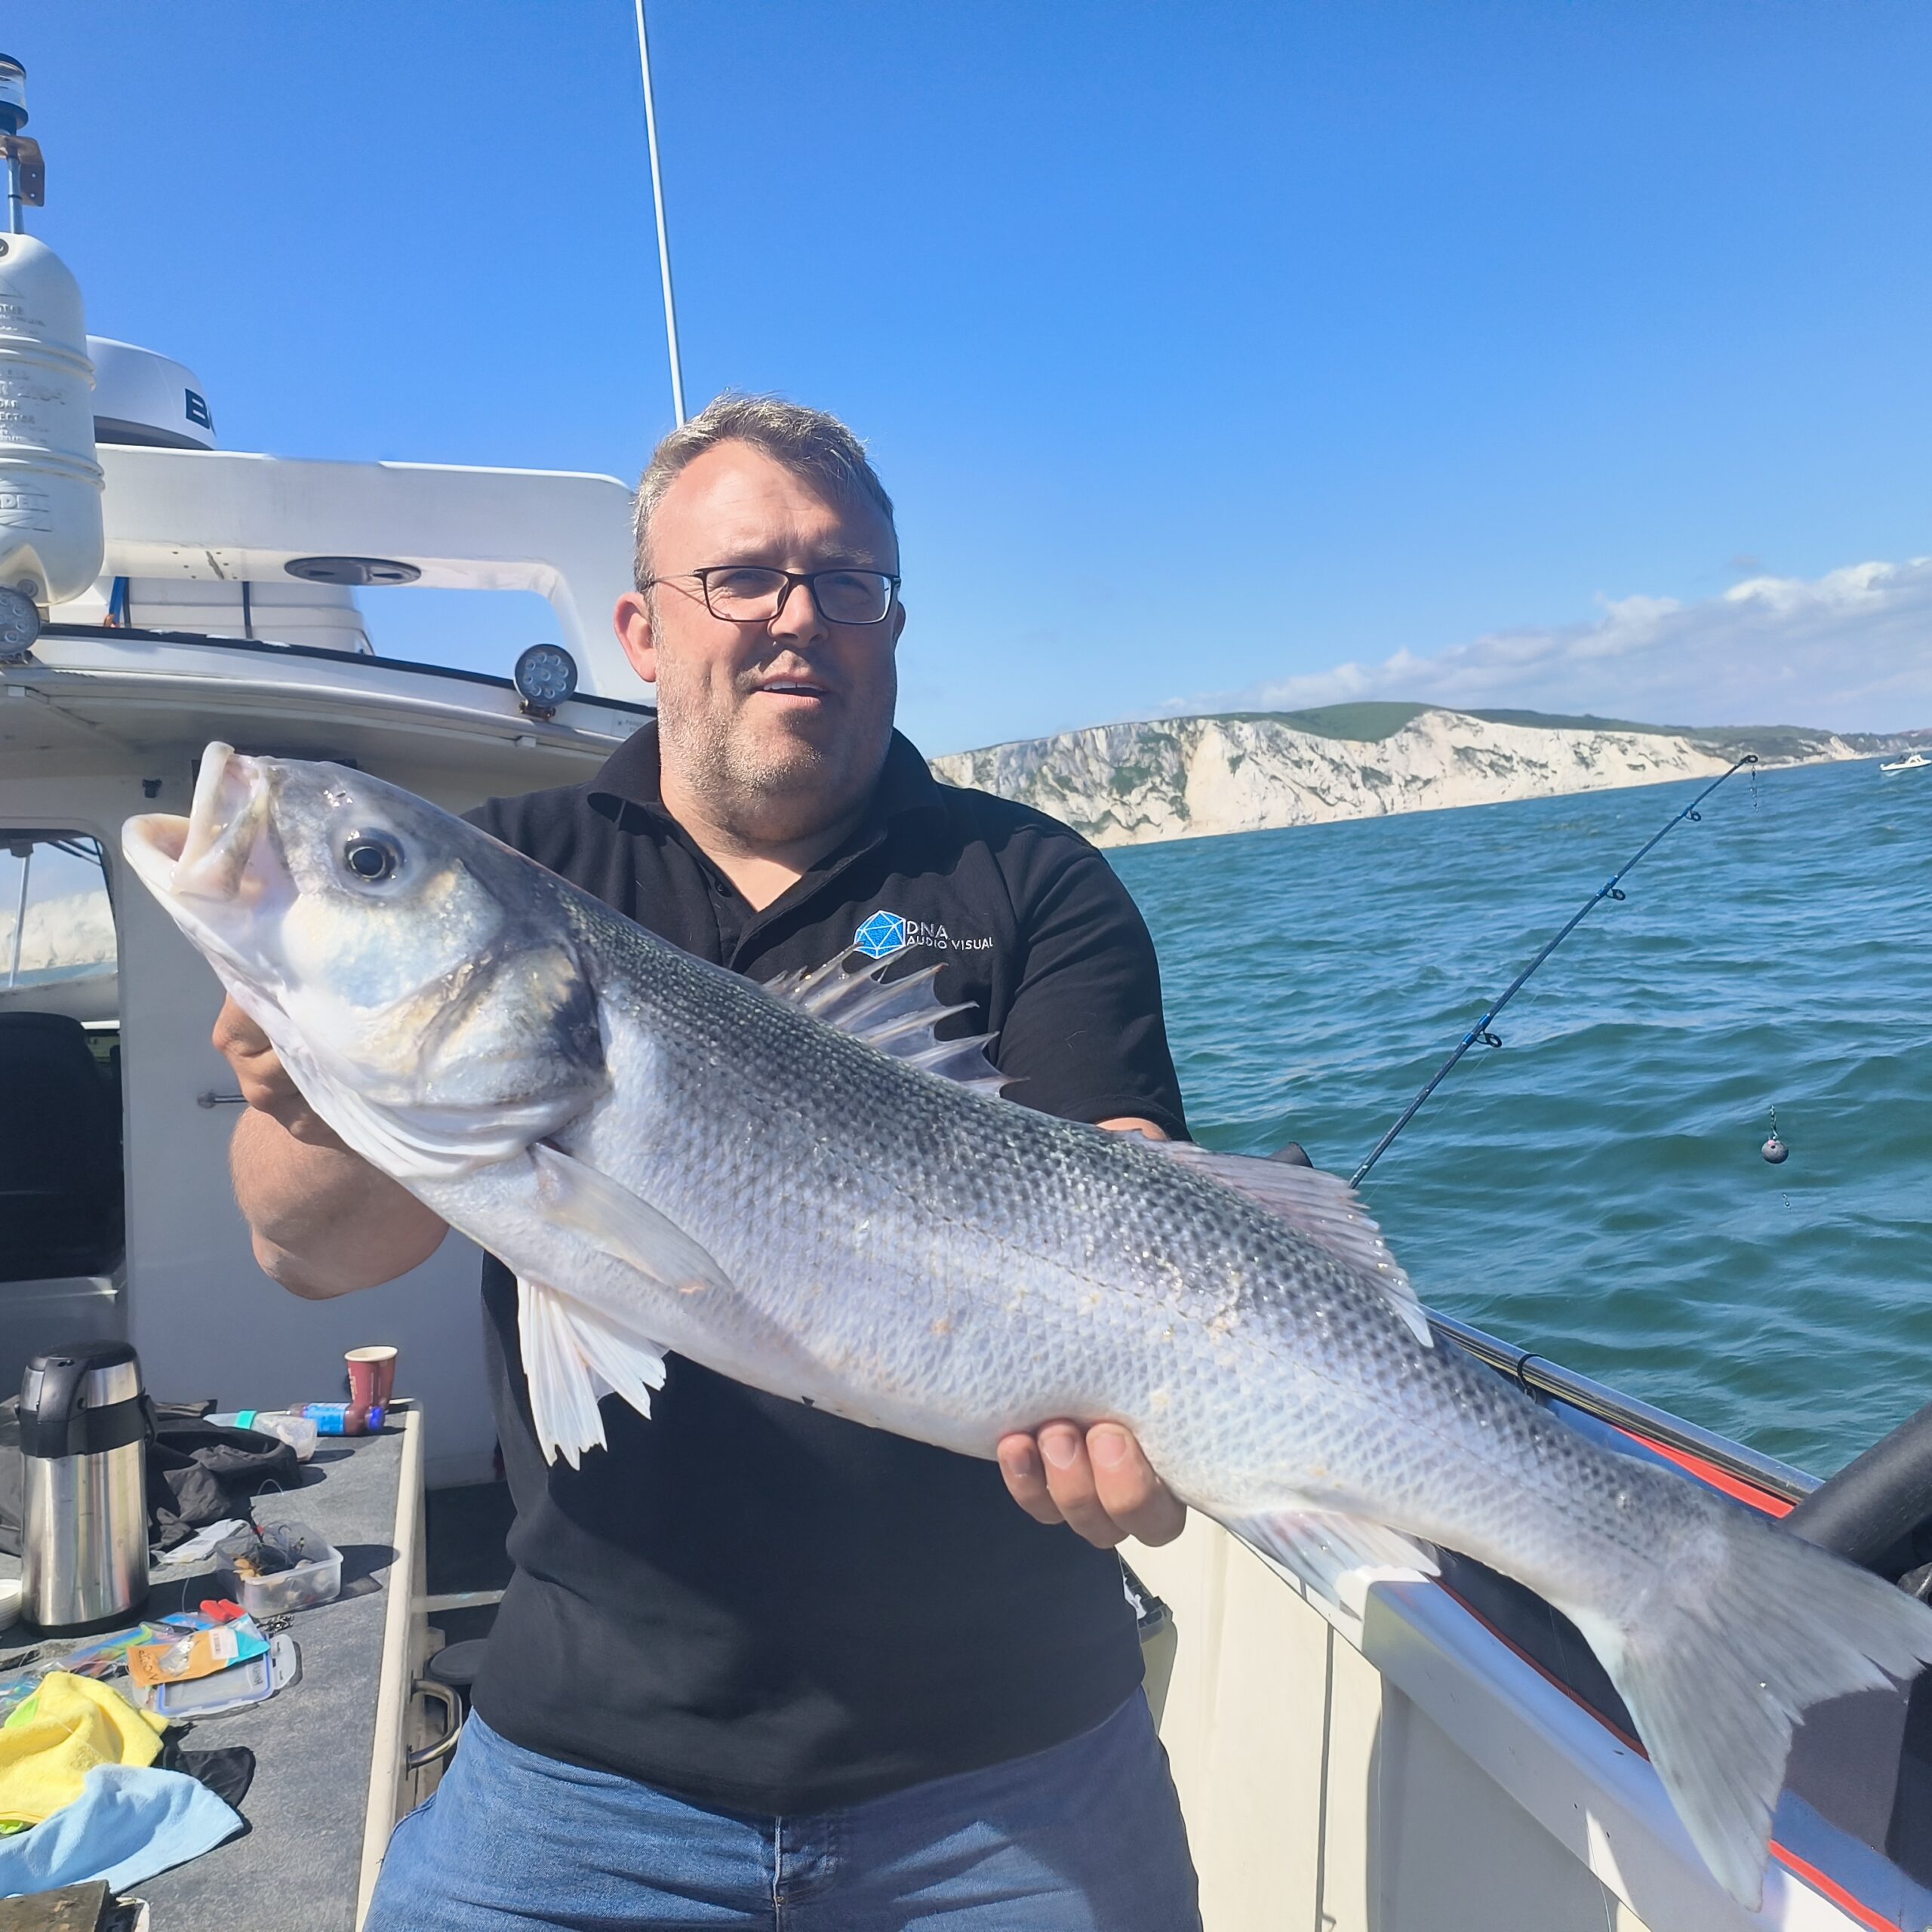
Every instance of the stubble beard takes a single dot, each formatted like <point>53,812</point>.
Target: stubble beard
<point>758,786</point>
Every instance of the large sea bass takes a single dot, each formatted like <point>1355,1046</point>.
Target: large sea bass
<point>674,1160</point>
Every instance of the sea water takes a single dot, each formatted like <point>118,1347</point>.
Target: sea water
<point>1593,1190</point>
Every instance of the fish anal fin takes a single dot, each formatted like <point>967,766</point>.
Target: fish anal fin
<point>1321,1207</point>
<point>571,1358</point>
<point>898,1017</point>
<point>1320,1545</point>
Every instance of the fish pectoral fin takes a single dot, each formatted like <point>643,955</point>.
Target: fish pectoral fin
<point>573,1353</point>
<point>1319,1545</point>
<point>624,1225</point>
<point>571,1356</point>
<point>898,1017</point>
<point>1321,1207</point>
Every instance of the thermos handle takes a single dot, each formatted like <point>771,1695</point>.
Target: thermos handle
<point>59,1404</point>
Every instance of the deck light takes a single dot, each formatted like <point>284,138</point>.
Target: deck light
<point>545,675</point>
<point>19,626</point>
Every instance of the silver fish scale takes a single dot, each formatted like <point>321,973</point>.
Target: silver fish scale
<point>957,1266</point>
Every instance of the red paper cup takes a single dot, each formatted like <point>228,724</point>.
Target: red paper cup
<point>371,1377</point>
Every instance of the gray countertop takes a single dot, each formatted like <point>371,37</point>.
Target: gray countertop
<point>297,1865</point>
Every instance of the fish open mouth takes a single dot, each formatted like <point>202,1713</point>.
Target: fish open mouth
<point>162,834</point>
<point>205,855</point>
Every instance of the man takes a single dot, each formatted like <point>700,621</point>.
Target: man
<point>758,1666</point>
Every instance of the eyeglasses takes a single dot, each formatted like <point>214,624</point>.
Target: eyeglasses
<point>750,594</point>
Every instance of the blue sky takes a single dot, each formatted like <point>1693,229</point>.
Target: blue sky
<point>1215,354</point>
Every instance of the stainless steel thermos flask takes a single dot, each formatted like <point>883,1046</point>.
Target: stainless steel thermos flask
<point>84,1534</point>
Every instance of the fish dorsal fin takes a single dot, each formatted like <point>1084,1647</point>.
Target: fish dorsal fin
<point>898,1017</point>
<point>1321,1207</point>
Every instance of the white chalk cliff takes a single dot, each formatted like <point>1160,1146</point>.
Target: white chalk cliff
<point>1192,778</point>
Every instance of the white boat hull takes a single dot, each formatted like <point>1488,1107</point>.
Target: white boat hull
<point>1385,1763</point>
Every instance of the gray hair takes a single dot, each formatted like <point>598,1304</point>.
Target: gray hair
<point>809,442</point>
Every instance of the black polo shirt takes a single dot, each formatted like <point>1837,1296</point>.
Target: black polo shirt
<point>752,1603</point>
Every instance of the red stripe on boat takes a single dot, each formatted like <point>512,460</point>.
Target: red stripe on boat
<point>1831,1889</point>
<point>1767,1500</point>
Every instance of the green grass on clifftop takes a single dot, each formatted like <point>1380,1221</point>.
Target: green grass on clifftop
<point>1367,723</point>
<point>1372,720</point>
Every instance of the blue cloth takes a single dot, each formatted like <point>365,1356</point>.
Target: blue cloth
<point>127,1825</point>
<point>1085,1837</point>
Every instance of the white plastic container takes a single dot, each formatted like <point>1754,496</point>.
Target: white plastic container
<point>315,1578</point>
<point>51,538</point>
<point>298,1431</point>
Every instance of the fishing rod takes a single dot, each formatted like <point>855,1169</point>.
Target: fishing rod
<point>1480,1035</point>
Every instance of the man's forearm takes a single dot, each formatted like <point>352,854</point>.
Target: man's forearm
<point>324,1221</point>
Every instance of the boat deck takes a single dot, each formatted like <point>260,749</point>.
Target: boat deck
<point>328,1749</point>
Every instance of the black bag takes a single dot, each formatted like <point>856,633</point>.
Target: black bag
<point>198,1473</point>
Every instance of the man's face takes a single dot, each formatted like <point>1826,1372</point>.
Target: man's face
<point>778,728</point>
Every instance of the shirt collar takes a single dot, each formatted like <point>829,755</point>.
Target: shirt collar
<point>631,780</point>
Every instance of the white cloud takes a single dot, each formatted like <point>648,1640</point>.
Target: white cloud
<point>1850,651</point>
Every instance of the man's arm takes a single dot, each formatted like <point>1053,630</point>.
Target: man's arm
<point>324,1221</point>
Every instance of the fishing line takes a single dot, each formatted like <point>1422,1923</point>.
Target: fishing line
<point>1481,1033</point>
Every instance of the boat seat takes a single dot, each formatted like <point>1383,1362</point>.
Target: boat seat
<point>60,1204</point>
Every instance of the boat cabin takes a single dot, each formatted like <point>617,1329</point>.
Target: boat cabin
<point>225,606</point>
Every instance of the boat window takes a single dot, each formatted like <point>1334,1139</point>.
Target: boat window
<point>474,630</point>
<point>60,1193</point>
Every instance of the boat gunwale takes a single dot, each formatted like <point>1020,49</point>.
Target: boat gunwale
<point>1536,1375</point>
<point>269,647</point>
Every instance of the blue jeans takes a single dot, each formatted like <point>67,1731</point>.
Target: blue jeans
<point>1086,1837</point>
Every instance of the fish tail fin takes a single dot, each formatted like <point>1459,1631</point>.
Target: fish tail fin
<point>1728,1650</point>
<point>571,1357</point>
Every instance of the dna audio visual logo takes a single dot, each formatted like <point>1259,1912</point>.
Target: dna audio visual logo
<point>885,934</point>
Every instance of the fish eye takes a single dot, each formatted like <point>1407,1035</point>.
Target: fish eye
<point>372,857</point>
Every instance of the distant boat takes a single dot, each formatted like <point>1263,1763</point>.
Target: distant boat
<point>1911,761</point>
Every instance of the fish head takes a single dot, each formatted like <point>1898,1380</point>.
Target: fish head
<point>417,979</point>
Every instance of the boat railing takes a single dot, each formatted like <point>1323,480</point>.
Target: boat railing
<point>1536,1376</point>
<point>273,649</point>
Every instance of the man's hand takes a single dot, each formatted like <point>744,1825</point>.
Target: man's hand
<point>264,1081</point>
<point>324,1222</point>
<point>1097,1482</point>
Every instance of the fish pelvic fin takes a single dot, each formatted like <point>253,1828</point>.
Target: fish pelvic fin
<point>1727,1650</point>
<point>1321,1207</point>
<point>898,1017</point>
<point>1318,1545</point>
<point>571,1358</point>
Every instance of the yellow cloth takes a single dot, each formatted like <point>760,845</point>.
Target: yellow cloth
<point>70,1725</point>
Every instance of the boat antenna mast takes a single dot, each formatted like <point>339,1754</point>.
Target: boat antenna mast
<point>1480,1035</point>
<point>663,234</point>
<point>26,172</point>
